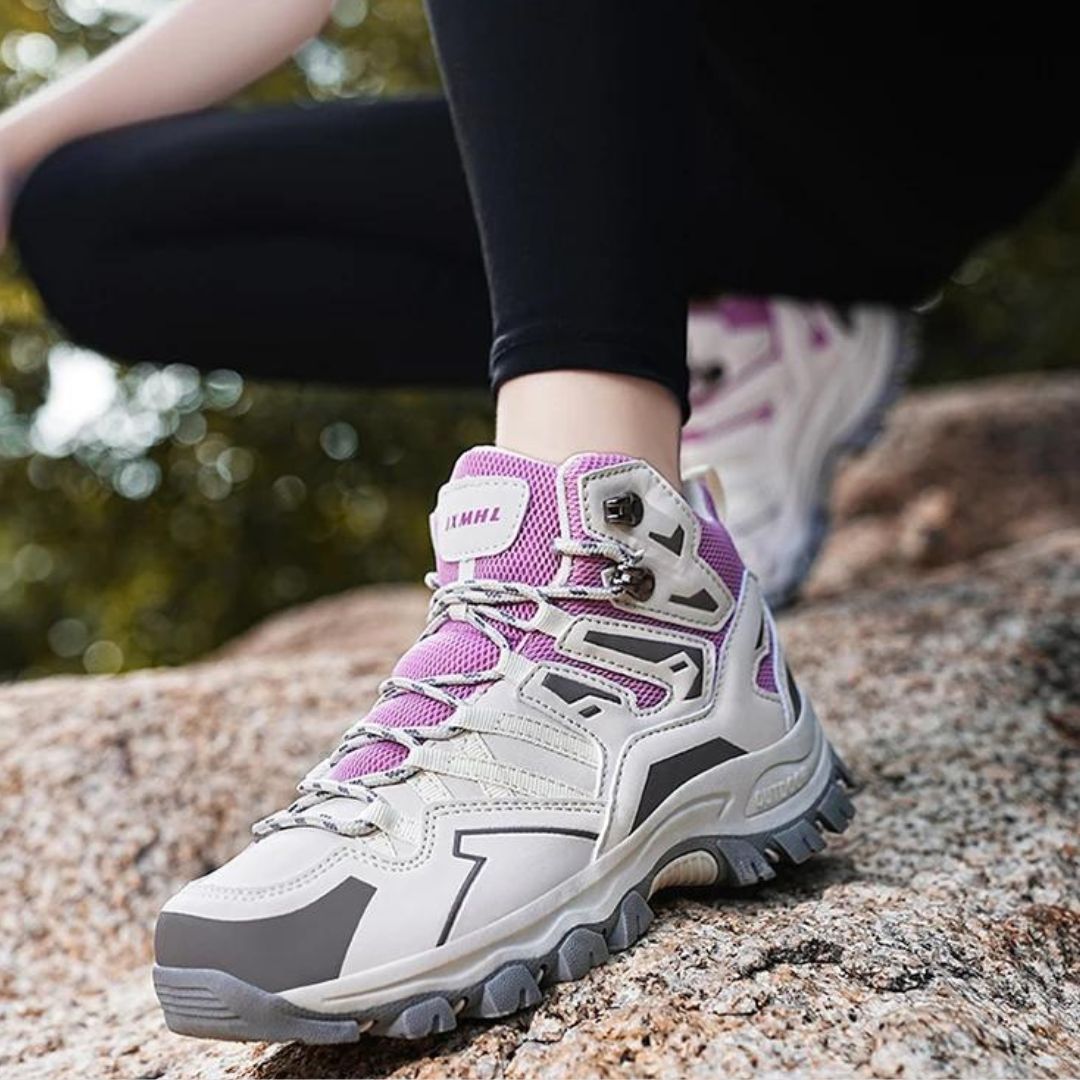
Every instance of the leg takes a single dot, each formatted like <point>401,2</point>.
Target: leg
<point>584,183</point>
<point>579,165</point>
<point>334,242</point>
<point>599,677</point>
<point>807,189</point>
<point>836,168</point>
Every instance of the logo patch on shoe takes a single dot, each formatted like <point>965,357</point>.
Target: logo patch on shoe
<point>477,517</point>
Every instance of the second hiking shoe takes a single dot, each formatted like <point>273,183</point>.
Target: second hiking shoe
<point>779,390</point>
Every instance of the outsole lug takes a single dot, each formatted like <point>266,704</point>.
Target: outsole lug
<point>581,950</point>
<point>836,810</point>
<point>799,841</point>
<point>632,921</point>
<point>843,774</point>
<point>745,863</point>
<point>431,1017</point>
<point>506,992</point>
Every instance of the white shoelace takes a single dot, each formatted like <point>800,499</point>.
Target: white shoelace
<point>479,604</point>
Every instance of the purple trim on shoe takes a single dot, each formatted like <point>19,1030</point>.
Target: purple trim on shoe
<point>819,337</point>
<point>744,312</point>
<point>760,414</point>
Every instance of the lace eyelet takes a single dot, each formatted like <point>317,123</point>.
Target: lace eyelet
<point>626,509</point>
<point>635,582</point>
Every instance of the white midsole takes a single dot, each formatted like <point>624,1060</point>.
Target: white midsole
<point>715,803</point>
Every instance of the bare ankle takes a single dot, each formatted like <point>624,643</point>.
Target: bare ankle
<point>552,415</point>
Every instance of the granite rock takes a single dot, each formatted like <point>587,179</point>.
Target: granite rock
<point>940,936</point>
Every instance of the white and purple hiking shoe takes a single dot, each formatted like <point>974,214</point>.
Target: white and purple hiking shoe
<point>779,390</point>
<point>598,709</point>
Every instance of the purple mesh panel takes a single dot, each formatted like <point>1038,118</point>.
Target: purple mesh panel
<point>456,648</point>
<point>766,673</point>
<point>531,559</point>
<point>588,572</point>
<point>377,757</point>
<point>541,649</point>
<point>719,552</point>
<point>445,571</point>
<point>402,710</point>
<point>525,610</point>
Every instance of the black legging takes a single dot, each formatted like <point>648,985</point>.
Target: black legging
<point>621,156</point>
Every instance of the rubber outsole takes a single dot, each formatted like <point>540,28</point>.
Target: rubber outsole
<point>855,441</point>
<point>212,1004</point>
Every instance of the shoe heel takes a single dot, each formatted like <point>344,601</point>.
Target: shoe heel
<point>753,858</point>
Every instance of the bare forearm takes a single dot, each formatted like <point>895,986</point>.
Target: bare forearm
<point>190,56</point>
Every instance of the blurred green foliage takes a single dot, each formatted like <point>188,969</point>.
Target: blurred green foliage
<point>1013,305</point>
<point>191,506</point>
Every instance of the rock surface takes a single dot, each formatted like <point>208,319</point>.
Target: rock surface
<point>959,471</point>
<point>940,936</point>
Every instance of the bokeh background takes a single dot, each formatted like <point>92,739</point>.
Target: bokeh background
<point>148,514</point>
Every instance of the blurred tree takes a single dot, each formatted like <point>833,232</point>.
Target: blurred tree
<point>162,512</point>
<point>1012,305</point>
<point>151,514</point>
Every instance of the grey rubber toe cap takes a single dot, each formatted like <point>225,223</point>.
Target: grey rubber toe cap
<point>277,953</point>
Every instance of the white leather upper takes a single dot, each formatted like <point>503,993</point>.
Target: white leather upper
<point>478,853</point>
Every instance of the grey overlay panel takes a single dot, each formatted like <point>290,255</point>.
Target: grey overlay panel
<point>674,542</point>
<point>571,691</point>
<point>670,773</point>
<point>654,651</point>
<point>278,953</point>
<point>702,600</point>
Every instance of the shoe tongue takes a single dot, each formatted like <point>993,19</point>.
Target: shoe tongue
<point>496,519</point>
